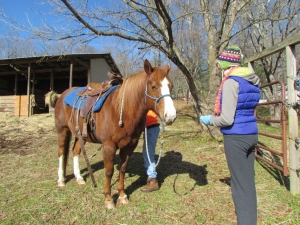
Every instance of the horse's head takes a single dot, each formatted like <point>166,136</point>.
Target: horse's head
<point>158,90</point>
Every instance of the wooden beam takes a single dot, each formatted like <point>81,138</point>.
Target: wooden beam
<point>33,82</point>
<point>52,81</point>
<point>293,120</point>
<point>43,70</point>
<point>28,91</point>
<point>16,84</point>
<point>276,48</point>
<point>71,75</point>
<point>80,62</point>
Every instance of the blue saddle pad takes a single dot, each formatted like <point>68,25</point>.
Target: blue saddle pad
<point>71,98</point>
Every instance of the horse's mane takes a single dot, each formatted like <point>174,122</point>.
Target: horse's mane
<point>132,97</point>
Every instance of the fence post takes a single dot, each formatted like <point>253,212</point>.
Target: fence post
<point>293,120</point>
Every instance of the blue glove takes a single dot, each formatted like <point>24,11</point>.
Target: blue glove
<point>205,119</point>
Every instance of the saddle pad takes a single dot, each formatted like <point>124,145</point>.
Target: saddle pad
<point>71,97</point>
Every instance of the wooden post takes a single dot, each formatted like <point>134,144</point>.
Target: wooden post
<point>33,83</point>
<point>52,81</point>
<point>293,120</point>
<point>28,91</point>
<point>88,76</point>
<point>71,75</point>
<point>16,84</point>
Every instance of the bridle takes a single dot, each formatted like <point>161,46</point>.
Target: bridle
<point>155,99</point>
<point>146,95</point>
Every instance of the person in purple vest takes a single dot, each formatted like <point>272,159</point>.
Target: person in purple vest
<point>236,101</point>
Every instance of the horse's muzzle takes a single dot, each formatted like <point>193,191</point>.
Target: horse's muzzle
<point>169,118</point>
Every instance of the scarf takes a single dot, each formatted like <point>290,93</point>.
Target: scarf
<point>217,109</point>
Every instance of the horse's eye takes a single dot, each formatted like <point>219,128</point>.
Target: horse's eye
<point>153,87</point>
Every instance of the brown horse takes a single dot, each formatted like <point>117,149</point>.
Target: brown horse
<point>148,89</point>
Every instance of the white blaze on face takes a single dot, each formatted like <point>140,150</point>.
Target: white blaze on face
<point>170,111</point>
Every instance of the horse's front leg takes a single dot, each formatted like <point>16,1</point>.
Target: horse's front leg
<point>76,153</point>
<point>108,159</point>
<point>124,157</point>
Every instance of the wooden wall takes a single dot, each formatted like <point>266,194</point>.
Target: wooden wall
<point>20,105</point>
<point>7,104</point>
<point>17,104</point>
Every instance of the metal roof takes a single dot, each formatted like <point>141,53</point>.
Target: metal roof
<point>56,63</point>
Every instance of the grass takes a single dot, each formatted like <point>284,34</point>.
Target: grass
<point>192,172</point>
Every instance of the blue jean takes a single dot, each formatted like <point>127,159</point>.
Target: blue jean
<point>152,136</point>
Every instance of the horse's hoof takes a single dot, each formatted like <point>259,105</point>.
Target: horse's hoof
<point>60,184</point>
<point>109,204</point>
<point>80,181</point>
<point>122,201</point>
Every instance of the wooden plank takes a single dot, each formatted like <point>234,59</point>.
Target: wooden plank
<point>20,108</point>
<point>7,103</point>
<point>17,105</point>
<point>276,48</point>
<point>293,120</point>
<point>6,109</point>
<point>23,106</point>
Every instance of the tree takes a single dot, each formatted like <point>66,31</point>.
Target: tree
<point>148,23</point>
<point>12,46</point>
<point>282,22</point>
<point>191,33</point>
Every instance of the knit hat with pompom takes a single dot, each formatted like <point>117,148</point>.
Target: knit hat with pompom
<point>231,56</point>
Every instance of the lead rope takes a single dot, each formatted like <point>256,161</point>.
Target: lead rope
<point>160,151</point>
<point>122,106</point>
<point>146,139</point>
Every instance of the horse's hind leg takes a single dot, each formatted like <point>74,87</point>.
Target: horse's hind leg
<point>63,152</point>
<point>108,152</point>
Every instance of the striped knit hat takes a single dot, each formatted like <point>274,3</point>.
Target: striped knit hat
<point>229,57</point>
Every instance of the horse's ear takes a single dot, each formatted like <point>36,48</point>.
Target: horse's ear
<point>147,67</point>
<point>167,68</point>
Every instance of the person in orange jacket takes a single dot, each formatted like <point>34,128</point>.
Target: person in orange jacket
<point>152,136</point>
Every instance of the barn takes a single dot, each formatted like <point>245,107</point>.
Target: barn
<point>25,81</point>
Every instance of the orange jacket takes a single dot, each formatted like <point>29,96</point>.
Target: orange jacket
<point>151,118</point>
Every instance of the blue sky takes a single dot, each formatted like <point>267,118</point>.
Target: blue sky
<point>24,10</point>
<point>21,9</point>
<point>17,9</point>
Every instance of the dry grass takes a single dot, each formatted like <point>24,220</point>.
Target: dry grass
<point>192,172</point>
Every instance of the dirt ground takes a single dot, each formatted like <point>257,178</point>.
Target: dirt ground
<point>20,135</point>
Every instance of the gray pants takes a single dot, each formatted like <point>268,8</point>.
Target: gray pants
<point>239,151</point>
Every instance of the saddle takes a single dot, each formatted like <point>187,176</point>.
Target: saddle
<point>92,93</point>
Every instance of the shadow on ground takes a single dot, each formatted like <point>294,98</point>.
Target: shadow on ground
<point>170,164</point>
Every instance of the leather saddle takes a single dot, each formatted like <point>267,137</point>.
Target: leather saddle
<point>94,91</point>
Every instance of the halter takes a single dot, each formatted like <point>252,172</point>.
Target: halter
<point>156,99</point>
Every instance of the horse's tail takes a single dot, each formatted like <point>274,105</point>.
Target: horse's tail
<point>51,98</point>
